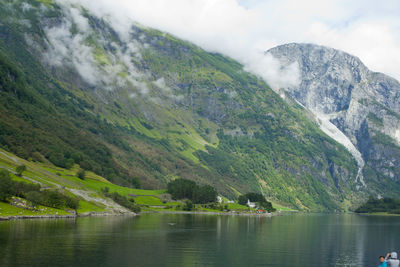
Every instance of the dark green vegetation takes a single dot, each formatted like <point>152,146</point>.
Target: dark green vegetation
<point>54,199</point>
<point>9,188</point>
<point>20,169</point>
<point>81,174</point>
<point>188,205</point>
<point>6,186</point>
<point>258,198</point>
<point>32,192</point>
<point>383,205</point>
<point>183,188</point>
<point>191,114</point>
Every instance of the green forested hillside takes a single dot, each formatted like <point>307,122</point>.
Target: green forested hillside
<point>380,206</point>
<point>148,108</point>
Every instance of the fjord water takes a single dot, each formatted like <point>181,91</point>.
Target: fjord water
<point>200,240</point>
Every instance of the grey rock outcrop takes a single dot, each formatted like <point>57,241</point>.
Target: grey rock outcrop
<point>362,105</point>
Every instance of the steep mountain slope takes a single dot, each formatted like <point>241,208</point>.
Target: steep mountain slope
<point>143,107</point>
<point>360,108</point>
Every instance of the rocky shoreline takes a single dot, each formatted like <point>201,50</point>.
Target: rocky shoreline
<point>20,217</point>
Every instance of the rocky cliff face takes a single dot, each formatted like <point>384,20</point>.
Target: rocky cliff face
<point>357,107</point>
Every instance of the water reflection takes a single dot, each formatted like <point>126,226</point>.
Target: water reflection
<point>202,240</point>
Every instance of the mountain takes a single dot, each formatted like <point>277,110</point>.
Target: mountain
<point>142,107</point>
<point>359,108</point>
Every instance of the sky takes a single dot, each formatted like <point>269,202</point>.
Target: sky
<point>244,29</point>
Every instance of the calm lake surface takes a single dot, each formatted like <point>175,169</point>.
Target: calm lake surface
<point>200,240</point>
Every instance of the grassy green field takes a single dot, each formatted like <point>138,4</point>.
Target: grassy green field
<point>279,207</point>
<point>238,207</point>
<point>10,210</point>
<point>86,206</point>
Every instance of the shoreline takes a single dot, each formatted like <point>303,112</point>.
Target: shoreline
<point>215,213</point>
<point>378,214</point>
<point>105,214</point>
<point>71,216</point>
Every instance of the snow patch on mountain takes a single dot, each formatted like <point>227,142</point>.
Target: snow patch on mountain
<point>397,135</point>
<point>332,131</point>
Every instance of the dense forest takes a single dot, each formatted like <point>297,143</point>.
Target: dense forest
<point>386,205</point>
<point>186,189</point>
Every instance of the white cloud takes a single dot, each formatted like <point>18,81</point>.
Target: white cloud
<point>271,70</point>
<point>80,21</point>
<point>68,44</point>
<point>71,49</point>
<point>242,29</point>
<point>160,83</point>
